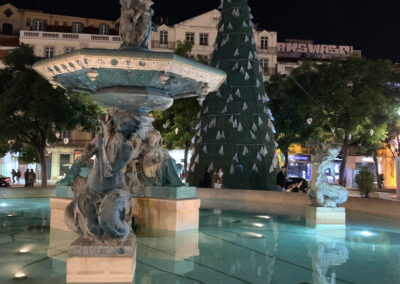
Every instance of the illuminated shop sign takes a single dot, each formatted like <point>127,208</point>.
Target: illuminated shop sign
<point>299,158</point>
<point>310,50</point>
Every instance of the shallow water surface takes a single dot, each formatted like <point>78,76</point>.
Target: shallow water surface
<point>229,247</point>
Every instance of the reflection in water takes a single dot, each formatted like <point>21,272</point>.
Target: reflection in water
<point>325,253</point>
<point>217,218</point>
<point>271,264</point>
<point>168,250</point>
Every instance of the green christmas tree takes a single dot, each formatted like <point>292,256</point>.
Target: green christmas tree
<point>235,130</point>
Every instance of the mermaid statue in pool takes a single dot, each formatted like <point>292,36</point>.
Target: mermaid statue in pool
<point>323,193</point>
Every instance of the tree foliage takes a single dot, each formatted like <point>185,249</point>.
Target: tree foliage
<point>31,111</point>
<point>177,124</point>
<point>351,101</point>
<point>293,107</point>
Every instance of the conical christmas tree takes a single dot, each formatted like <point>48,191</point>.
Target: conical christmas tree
<point>235,130</point>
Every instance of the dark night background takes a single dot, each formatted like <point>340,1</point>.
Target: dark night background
<point>372,26</point>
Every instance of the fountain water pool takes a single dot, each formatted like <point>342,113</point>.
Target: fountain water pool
<point>229,247</point>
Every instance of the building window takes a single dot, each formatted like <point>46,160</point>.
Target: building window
<point>38,25</point>
<point>28,22</point>
<point>48,51</point>
<point>264,42</point>
<point>289,68</point>
<point>163,37</point>
<point>68,49</point>
<point>190,38</point>
<point>203,39</point>
<point>77,28</point>
<point>65,134</point>
<point>264,65</point>
<point>104,29</point>
<point>202,58</point>
<point>56,23</point>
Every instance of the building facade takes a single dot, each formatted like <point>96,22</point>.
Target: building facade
<point>52,35</point>
<point>201,31</point>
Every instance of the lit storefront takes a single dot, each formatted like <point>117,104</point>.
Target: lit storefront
<point>299,165</point>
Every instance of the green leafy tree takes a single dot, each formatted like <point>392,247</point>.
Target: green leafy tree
<point>177,124</point>
<point>356,96</point>
<point>392,140</point>
<point>293,108</point>
<point>31,111</point>
<point>347,100</point>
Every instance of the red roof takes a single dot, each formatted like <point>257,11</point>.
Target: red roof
<point>9,41</point>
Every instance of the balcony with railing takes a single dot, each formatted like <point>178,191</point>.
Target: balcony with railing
<point>68,36</point>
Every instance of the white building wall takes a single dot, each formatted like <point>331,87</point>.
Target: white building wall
<point>60,41</point>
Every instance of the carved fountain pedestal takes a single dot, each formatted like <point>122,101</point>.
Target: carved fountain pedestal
<point>316,216</point>
<point>102,261</point>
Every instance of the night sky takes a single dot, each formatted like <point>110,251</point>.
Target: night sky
<point>372,26</point>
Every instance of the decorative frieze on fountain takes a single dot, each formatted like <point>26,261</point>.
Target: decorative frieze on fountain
<point>129,158</point>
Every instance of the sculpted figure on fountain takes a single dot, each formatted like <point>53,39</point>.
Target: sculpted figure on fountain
<point>323,193</point>
<point>124,163</point>
<point>102,204</point>
<point>135,24</point>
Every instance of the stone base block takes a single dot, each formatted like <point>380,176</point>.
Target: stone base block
<point>317,216</point>
<point>59,243</point>
<point>164,214</point>
<point>107,261</point>
<point>57,206</point>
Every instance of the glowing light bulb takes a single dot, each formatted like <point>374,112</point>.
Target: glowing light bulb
<point>258,225</point>
<point>255,235</point>
<point>23,251</point>
<point>264,217</point>
<point>20,275</point>
<point>3,204</point>
<point>366,233</point>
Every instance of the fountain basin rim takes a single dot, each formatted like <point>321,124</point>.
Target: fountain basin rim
<point>129,53</point>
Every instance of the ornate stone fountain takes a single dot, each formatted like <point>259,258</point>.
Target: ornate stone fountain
<point>129,158</point>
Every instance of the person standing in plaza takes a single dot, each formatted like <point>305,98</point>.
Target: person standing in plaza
<point>26,176</point>
<point>217,181</point>
<point>31,178</point>
<point>206,180</point>
<point>280,180</point>
<point>18,175</point>
<point>14,175</point>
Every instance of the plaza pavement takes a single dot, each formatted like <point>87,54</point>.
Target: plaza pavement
<point>19,191</point>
